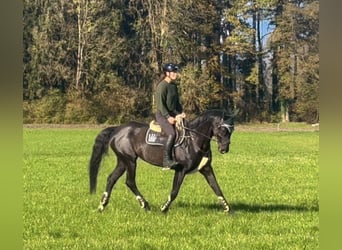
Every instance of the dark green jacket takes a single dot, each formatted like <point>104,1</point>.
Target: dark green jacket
<point>167,99</point>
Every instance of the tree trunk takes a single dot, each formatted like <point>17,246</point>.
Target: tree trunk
<point>284,109</point>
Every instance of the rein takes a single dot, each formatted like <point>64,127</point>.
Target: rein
<point>229,127</point>
<point>181,124</point>
<point>199,133</point>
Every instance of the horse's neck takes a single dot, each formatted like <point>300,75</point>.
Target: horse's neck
<point>202,126</point>
<point>202,135</point>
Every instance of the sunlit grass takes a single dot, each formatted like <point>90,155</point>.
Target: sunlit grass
<point>269,179</point>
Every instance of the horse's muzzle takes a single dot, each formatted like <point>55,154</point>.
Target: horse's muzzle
<point>224,150</point>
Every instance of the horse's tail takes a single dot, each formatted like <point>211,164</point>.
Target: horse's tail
<point>100,148</point>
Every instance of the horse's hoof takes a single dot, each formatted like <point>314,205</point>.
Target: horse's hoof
<point>100,208</point>
<point>166,206</point>
<point>164,209</point>
<point>230,212</point>
<point>147,208</point>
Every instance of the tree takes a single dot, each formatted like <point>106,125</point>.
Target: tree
<point>45,49</point>
<point>99,60</point>
<point>241,50</point>
<point>295,44</point>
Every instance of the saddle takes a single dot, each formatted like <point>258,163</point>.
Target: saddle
<point>155,135</point>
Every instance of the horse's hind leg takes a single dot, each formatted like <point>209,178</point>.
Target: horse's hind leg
<point>111,180</point>
<point>131,183</point>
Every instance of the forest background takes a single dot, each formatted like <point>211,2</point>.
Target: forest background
<point>98,61</point>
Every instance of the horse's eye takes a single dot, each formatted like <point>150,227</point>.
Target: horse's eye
<point>224,131</point>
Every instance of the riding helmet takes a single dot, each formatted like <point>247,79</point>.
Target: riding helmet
<point>170,67</point>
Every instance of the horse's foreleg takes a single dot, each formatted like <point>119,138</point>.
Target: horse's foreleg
<point>131,183</point>
<point>177,182</point>
<point>111,180</point>
<point>209,175</point>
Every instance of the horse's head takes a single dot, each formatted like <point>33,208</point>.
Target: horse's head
<point>213,123</point>
<point>222,130</point>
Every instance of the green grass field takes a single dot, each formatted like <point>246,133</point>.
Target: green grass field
<point>270,180</point>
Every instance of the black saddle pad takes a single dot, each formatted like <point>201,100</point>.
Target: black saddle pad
<point>155,138</point>
<point>159,139</point>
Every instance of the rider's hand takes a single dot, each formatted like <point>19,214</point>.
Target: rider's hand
<point>171,120</point>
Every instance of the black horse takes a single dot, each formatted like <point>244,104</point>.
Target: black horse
<point>193,154</point>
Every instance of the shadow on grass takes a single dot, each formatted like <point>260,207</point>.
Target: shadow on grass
<point>255,208</point>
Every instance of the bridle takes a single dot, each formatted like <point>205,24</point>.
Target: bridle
<point>229,127</point>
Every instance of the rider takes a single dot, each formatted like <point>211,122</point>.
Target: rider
<point>168,107</point>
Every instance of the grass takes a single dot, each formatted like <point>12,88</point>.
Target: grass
<point>270,179</point>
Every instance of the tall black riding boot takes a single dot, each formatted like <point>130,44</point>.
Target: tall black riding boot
<point>168,161</point>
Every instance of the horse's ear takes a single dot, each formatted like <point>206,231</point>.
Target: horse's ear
<point>232,113</point>
<point>236,112</point>
<point>226,112</point>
